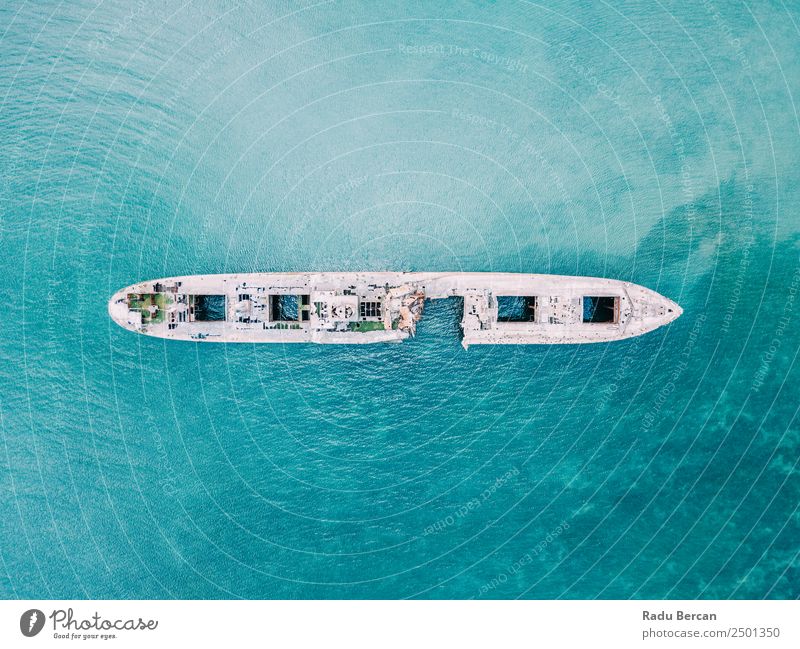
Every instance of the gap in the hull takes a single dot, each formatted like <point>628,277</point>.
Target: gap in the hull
<point>442,318</point>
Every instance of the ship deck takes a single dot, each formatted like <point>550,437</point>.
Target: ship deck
<point>363,307</point>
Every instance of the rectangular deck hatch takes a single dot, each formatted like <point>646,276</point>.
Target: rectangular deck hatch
<point>516,308</point>
<point>284,308</point>
<point>208,308</point>
<point>599,309</point>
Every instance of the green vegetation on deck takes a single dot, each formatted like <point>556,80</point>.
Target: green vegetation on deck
<point>143,302</point>
<point>367,325</point>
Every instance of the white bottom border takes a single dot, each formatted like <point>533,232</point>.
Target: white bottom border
<point>372,624</point>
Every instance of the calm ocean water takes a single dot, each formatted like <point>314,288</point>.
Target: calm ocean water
<point>657,144</point>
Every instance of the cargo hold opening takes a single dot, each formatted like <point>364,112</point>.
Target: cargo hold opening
<point>288,307</point>
<point>207,308</point>
<point>601,309</point>
<point>516,308</point>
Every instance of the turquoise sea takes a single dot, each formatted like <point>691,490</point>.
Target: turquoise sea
<point>653,142</point>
